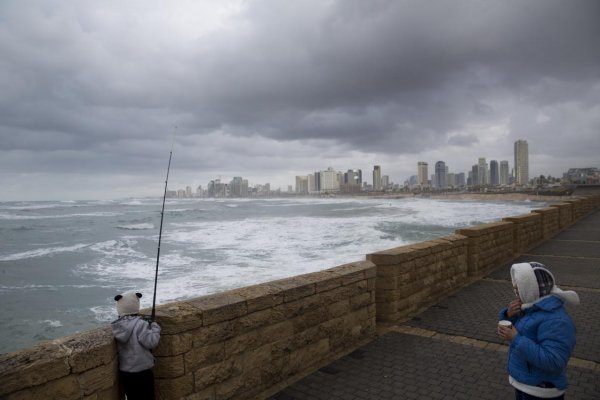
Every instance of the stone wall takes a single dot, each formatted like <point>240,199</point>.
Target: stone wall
<point>489,245</point>
<point>527,231</point>
<point>239,344</point>
<point>413,276</point>
<point>251,342</point>
<point>565,211</point>
<point>550,221</point>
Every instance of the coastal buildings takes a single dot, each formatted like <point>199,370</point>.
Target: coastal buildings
<point>521,162</point>
<point>494,173</point>
<point>504,173</point>
<point>484,177</point>
<point>440,175</point>
<point>482,172</point>
<point>377,178</point>
<point>422,173</point>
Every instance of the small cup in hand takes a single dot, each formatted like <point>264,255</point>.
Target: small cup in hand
<point>505,323</point>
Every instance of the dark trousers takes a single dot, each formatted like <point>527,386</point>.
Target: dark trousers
<point>524,396</point>
<point>138,385</point>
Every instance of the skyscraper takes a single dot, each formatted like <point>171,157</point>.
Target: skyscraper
<point>482,171</point>
<point>329,180</point>
<point>440,175</point>
<point>377,178</point>
<point>422,173</point>
<point>521,162</point>
<point>494,173</point>
<point>504,172</point>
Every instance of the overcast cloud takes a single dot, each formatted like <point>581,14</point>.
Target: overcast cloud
<point>267,90</point>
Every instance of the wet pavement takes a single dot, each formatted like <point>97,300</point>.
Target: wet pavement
<point>451,350</point>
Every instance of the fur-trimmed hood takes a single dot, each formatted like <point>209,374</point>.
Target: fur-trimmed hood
<point>527,281</point>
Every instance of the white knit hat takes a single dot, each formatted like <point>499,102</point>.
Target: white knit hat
<point>532,281</point>
<point>128,303</point>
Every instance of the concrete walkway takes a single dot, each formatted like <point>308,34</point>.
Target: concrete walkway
<point>451,350</point>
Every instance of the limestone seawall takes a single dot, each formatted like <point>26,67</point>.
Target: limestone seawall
<point>251,342</point>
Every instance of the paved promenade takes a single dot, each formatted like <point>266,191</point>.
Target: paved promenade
<point>451,350</point>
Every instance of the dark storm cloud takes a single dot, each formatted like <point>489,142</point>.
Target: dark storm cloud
<point>100,86</point>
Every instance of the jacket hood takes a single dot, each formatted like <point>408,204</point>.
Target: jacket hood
<point>123,328</point>
<point>524,277</point>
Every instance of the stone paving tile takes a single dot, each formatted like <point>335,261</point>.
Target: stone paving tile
<point>401,366</point>
<point>568,248</point>
<point>473,311</point>
<point>580,233</point>
<point>568,271</point>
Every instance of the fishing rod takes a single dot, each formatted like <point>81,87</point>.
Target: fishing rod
<point>162,214</point>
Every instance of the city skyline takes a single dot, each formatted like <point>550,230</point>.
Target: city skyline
<point>492,174</point>
<point>93,93</point>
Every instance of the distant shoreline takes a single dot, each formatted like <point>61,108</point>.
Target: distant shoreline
<point>481,197</point>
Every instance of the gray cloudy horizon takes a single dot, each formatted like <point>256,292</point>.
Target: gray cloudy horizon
<point>267,90</point>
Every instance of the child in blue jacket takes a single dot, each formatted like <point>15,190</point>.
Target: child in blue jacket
<point>542,335</point>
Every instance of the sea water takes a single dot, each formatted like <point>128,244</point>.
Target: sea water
<point>62,263</point>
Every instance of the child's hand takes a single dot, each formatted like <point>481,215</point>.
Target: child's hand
<point>507,333</point>
<point>514,308</point>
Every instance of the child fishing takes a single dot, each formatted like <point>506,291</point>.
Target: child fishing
<point>136,336</point>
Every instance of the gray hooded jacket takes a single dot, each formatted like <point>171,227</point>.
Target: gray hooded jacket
<point>135,339</point>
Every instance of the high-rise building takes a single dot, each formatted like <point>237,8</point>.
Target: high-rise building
<point>475,175</point>
<point>482,171</point>
<point>377,178</point>
<point>329,181</point>
<point>450,179</point>
<point>311,183</point>
<point>521,162</point>
<point>301,184</point>
<point>494,173</point>
<point>440,175</point>
<point>460,179</point>
<point>317,187</point>
<point>422,173</point>
<point>504,172</point>
<point>385,182</point>
<point>353,177</point>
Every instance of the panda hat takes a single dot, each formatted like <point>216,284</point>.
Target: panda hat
<point>128,303</point>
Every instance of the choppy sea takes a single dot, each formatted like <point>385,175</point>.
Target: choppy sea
<point>61,263</point>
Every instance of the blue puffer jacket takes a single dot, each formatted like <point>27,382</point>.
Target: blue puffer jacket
<point>541,350</point>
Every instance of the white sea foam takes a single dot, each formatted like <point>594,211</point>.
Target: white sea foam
<point>9,216</point>
<point>47,251</point>
<point>136,227</point>
<point>52,323</point>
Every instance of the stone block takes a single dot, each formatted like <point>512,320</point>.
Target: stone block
<point>169,367</point>
<point>220,307</point>
<point>310,319</point>
<point>175,388</point>
<point>258,319</point>
<point>171,345</point>
<point>199,357</point>
<point>212,333</point>
<point>295,288</point>
<point>90,349</point>
<point>65,388</point>
<point>206,394</point>
<point>216,373</point>
<point>301,359</point>
<point>360,301</point>
<point>178,317</point>
<point>260,297</point>
<point>33,366</point>
<point>97,379</point>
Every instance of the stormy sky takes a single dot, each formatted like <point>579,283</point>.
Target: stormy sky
<point>267,90</point>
